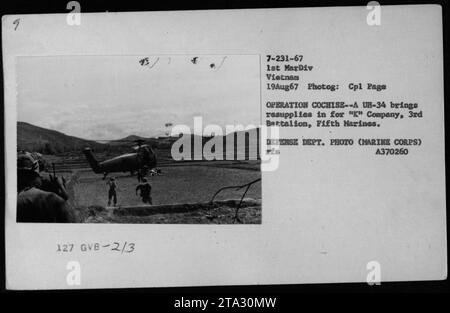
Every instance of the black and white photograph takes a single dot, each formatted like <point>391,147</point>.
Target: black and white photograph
<point>139,139</point>
<point>223,148</point>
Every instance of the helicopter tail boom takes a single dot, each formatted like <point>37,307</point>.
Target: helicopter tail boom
<point>92,161</point>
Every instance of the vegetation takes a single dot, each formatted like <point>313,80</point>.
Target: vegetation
<point>51,142</point>
<point>47,141</point>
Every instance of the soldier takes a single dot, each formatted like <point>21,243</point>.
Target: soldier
<point>33,204</point>
<point>43,164</point>
<point>112,191</point>
<point>54,184</point>
<point>142,172</point>
<point>145,190</point>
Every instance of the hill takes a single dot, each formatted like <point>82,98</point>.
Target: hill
<point>130,138</point>
<point>47,141</point>
<point>244,145</point>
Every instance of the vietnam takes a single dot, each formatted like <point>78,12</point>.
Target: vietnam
<point>282,77</point>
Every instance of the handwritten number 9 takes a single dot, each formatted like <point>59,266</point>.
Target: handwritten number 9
<point>16,22</point>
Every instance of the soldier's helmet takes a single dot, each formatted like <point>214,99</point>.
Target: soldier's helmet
<point>26,162</point>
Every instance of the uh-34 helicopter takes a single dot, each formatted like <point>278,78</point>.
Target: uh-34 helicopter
<point>142,160</point>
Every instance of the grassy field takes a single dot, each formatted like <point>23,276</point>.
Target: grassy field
<point>183,184</point>
<point>219,212</point>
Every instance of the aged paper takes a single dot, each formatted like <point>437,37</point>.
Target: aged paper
<point>344,183</point>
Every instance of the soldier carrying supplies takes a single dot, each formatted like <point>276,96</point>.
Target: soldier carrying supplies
<point>145,190</point>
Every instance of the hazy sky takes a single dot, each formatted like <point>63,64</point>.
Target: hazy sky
<point>96,97</point>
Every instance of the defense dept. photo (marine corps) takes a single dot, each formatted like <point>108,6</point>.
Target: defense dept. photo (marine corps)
<point>139,139</point>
